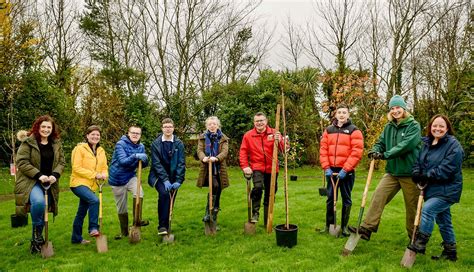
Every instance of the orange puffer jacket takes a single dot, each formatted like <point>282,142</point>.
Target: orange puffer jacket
<point>341,147</point>
<point>256,150</point>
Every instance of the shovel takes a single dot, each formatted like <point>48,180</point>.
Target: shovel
<point>410,256</point>
<point>47,248</point>
<point>210,227</point>
<point>323,191</point>
<point>249,227</point>
<point>334,229</point>
<point>355,237</point>
<point>169,238</point>
<point>135,233</point>
<point>101,240</point>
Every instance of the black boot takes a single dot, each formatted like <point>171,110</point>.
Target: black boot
<point>207,216</point>
<point>37,240</point>
<point>364,233</point>
<point>329,218</point>
<point>419,245</point>
<point>215,210</point>
<point>265,214</point>
<point>449,253</point>
<point>255,211</point>
<point>346,212</point>
<point>123,219</point>
<point>140,208</point>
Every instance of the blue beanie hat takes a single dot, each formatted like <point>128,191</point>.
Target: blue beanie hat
<point>397,101</point>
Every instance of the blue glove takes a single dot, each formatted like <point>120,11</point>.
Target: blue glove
<point>342,174</point>
<point>141,156</point>
<point>176,186</point>
<point>168,186</point>
<point>328,172</point>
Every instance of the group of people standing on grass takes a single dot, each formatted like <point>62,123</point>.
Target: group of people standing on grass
<point>432,163</point>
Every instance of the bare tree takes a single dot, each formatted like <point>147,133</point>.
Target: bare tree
<point>338,35</point>
<point>292,42</point>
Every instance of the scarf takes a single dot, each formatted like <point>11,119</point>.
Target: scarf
<point>212,146</point>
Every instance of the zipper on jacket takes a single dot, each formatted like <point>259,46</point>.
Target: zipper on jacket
<point>264,156</point>
<point>335,148</point>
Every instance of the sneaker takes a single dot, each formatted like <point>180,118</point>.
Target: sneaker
<point>144,223</point>
<point>85,242</point>
<point>254,218</point>
<point>94,233</point>
<point>162,231</point>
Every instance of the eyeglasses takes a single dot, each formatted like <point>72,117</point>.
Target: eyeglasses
<point>135,133</point>
<point>260,121</point>
<point>168,127</point>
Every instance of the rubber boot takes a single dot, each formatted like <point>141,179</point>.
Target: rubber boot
<point>37,240</point>
<point>207,215</point>
<point>449,253</point>
<point>419,245</point>
<point>329,218</point>
<point>265,213</point>
<point>140,208</point>
<point>123,219</point>
<point>346,212</point>
<point>215,210</point>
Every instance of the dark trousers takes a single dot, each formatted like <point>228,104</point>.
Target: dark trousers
<point>164,202</point>
<point>216,190</point>
<point>345,187</point>
<point>261,183</point>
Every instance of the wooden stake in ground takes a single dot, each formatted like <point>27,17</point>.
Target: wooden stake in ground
<point>273,177</point>
<point>287,210</point>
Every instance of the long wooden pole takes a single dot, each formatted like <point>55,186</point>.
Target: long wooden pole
<point>273,177</point>
<point>285,153</point>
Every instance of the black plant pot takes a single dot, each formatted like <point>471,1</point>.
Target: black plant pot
<point>293,178</point>
<point>19,220</point>
<point>286,237</point>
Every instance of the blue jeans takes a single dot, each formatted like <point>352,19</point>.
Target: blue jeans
<point>439,210</point>
<point>88,201</point>
<point>38,205</point>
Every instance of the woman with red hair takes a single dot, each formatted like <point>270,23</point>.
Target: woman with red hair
<point>40,161</point>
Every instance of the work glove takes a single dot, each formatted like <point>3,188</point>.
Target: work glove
<point>141,156</point>
<point>342,174</point>
<point>175,186</point>
<point>420,179</point>
<point>375,155</point>
<point>328,172</point>
<point>168,186</point>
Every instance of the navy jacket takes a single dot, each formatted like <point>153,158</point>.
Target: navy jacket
<point>158,173</point>
<point>124,163</point>
<point>441,163</point>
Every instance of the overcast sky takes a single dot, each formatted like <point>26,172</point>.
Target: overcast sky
<point>275,14</point>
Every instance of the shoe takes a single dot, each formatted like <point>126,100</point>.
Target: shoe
<point>162,231</point>
<point>85,242</point>
<point>363,232</point>
<point>254,218</point>
<point>449,253</point>
<point>94,233</point>
<point>144,223</point>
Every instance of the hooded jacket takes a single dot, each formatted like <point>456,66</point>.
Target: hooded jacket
<point>441,163</point>
<point>400,144</point>
<point>28,160</point>
<point>86,166</point>
<point>124,162</point>
<point>341,147</point>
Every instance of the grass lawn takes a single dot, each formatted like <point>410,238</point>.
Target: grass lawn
<point>230,249</point>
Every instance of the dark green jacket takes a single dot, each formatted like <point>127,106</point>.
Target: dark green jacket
<point>28,160</point>
<point>400,145</point>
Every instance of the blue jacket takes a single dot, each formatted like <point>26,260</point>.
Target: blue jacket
<point>158,173</point>
<point>441,163</point>
<point>124,163</point>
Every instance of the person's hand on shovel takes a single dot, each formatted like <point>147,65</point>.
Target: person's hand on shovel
<point>168,185</point>
<point>328,172</point>
<point>375,155</point>
<point>247,171</point>
<point>342,174</point>
<point>175,186</point>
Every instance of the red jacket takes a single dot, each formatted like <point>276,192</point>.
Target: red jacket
<point>256,150</point>
<point>341,147</point>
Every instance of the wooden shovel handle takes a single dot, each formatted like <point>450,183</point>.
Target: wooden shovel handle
<point>367,183</point>
<point>210,186</point>
<point>137,200</point>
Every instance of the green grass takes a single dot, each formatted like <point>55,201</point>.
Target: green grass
<point>230,249</point>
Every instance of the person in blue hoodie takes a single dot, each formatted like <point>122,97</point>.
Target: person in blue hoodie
<point>167,171</point>
<point>439,168</point>
<point>122,175</point>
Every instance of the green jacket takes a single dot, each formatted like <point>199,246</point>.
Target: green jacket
<point>28,161</point>
<point>400,145</point>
